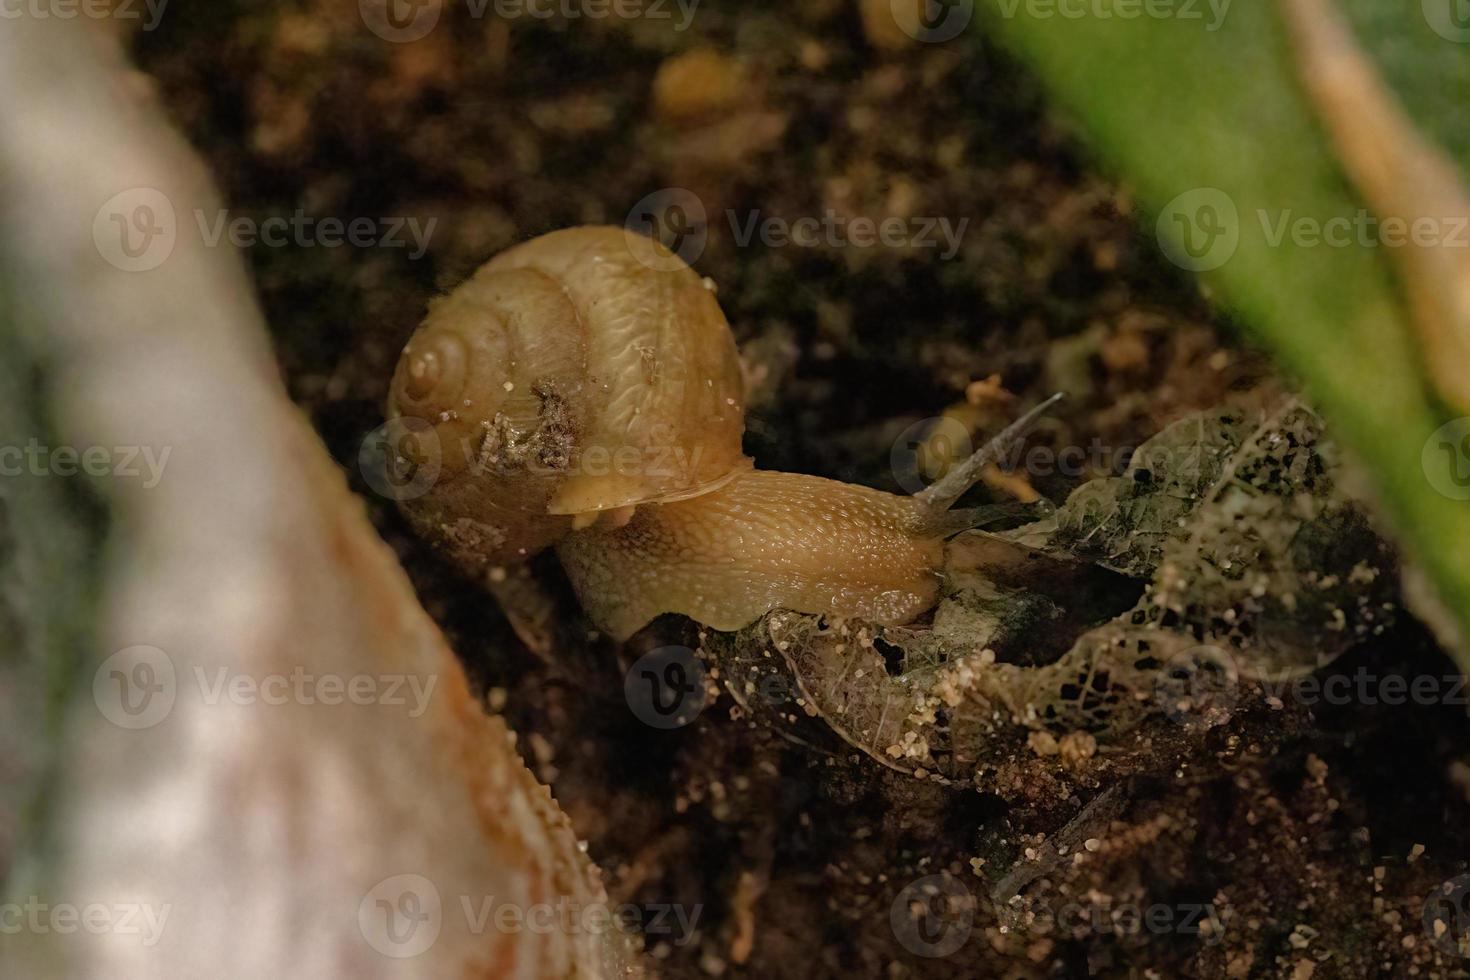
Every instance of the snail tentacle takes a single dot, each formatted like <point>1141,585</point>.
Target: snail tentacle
<point>940,496</point>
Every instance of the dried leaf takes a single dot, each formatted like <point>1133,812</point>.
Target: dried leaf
<point>1249,562</point>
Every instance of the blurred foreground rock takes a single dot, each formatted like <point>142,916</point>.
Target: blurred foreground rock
<point>258,758</point>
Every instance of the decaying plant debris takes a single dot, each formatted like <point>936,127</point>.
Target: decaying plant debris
<point>1232,532</point>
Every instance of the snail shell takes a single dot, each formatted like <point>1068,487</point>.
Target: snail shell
<point>583,390</point>
<point>569,377</point>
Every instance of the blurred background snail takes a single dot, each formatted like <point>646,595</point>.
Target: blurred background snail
<point>583,391</point>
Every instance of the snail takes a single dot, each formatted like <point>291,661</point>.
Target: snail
<point>585,394</point>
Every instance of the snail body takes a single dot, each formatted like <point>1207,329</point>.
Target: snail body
<point>766,540</point>
<point>585,393</point>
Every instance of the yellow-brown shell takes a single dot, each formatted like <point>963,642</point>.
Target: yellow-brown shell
<point>570,375</point>
<point>666,394</point>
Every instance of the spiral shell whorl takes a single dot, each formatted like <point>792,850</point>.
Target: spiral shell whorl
<point>566,378</point>
<point>666,393</point>
<point>497,369</point>
<point>434,368</point>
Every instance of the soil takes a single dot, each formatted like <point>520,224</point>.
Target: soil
<point>1313,839</point>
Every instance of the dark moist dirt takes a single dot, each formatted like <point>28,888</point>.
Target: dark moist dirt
<point>1299,835</point>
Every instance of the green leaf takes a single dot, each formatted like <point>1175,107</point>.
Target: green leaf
<point>1205,117</point>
